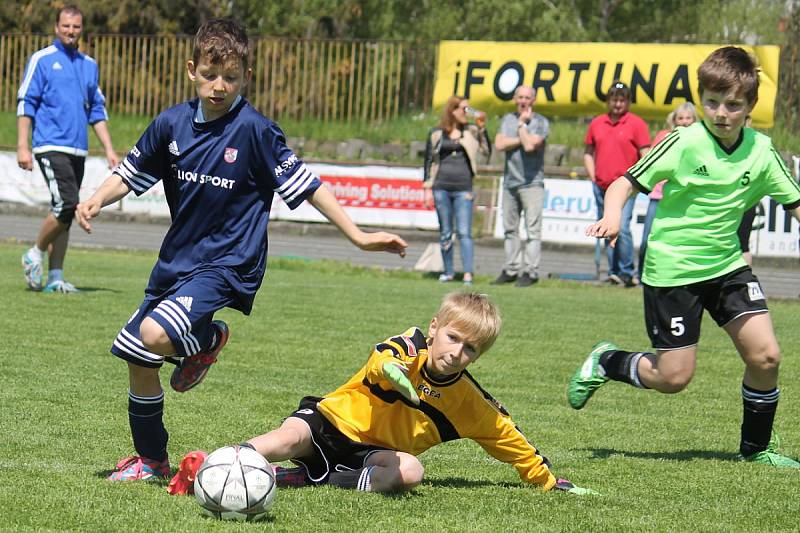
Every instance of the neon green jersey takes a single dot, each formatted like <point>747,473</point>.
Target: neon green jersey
<point>708,189</point>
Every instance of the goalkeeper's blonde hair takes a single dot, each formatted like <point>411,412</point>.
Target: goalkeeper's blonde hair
<point>473,314</point>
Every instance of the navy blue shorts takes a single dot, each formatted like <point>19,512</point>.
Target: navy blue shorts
<point>185,313</point>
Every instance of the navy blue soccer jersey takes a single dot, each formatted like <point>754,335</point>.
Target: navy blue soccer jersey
<point>219,180</point>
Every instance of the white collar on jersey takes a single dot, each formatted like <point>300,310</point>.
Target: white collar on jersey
<point>200,118</point>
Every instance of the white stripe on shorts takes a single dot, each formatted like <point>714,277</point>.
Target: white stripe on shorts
<point>174,327</point>
<point>52,184</point>
<point>127,343</point>
<point>181,315</point>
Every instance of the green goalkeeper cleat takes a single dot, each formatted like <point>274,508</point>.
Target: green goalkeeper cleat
<point>589,377</point>
<point>770,456</point>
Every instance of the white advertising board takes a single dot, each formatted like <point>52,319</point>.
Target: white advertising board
<point>383,195</point>
<point>570,206</point>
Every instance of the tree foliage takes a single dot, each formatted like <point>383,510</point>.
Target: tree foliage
<point>789,104</point>
<point>703,21</point>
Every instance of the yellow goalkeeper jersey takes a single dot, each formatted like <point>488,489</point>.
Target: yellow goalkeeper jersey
<point>368,410</point>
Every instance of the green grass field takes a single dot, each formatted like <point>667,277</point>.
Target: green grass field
<point>662,463</point>
<point>126,130</point>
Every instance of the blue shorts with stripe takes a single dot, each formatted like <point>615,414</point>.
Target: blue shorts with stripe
<point>185,312</point>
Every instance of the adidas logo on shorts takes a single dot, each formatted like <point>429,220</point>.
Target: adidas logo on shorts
<point>173,148</point>
<point>185,301</point>
<point>701,171</point>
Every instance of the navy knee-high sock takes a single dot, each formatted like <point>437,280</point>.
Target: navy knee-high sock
<point>147,427</point>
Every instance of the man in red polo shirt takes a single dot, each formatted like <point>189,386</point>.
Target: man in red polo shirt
<point>614,142</point>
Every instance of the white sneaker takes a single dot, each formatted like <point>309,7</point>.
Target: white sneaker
<point>61,286</point>
<point>33,269</point>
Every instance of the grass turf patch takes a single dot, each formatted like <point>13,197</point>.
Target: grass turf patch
<point>661,462</point>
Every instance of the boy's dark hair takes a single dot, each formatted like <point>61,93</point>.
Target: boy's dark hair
<point>618,89</point>
<point>69,9</point>
<point>726,68</point>
<point>219,40</point>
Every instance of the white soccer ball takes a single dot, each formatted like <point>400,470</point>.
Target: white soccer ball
<point>235,483</point>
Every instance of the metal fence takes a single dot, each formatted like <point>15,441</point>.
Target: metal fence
<point>323,79</point>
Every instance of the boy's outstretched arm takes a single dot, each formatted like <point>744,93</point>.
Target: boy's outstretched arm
<point>326,203</point>
<point>615,198</point>
<point>112,190</point>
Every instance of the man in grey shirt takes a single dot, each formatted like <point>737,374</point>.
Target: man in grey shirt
<point>522,136</point>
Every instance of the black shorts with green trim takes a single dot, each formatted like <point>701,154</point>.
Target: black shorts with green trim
<point>333,451</point>
<point>673,314</point>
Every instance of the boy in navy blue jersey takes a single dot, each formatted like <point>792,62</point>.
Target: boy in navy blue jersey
<point>220,162</point>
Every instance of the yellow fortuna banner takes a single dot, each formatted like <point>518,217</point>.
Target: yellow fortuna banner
<point>571,79</point>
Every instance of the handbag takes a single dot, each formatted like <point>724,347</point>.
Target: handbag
<point>431,259</point>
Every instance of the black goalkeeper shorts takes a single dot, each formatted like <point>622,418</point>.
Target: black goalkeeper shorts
<point>333,451</point>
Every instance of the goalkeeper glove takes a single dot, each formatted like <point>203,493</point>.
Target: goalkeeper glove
<point>567,486</point>
<point>395,374</point>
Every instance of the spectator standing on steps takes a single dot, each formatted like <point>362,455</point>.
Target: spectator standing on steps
<point>523,137</point>
<point>451,162</point>
<point>614,142</point>
<point>58,98</point>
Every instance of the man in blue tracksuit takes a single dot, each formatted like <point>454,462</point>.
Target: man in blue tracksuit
<point>58,98</point>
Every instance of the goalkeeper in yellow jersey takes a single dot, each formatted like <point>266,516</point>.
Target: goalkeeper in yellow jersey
<point>414,392</point>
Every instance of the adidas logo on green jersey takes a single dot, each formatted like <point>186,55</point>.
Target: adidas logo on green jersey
<point>701,171</point>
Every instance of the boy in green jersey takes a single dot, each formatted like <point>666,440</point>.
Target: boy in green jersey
<point>715,170</point>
